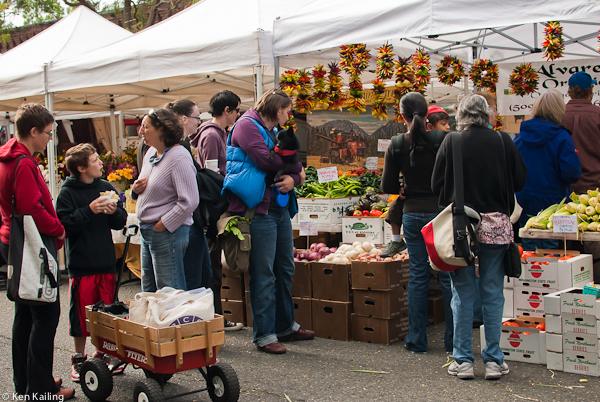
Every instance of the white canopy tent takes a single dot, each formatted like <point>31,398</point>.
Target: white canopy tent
<point>24,69</point>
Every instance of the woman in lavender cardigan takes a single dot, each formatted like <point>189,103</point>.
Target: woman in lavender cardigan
<point>167,195</point>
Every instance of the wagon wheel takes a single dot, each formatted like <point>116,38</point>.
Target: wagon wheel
<point>148,390</point>
<point>96,380</point>
<point>223,384</point>
<point>160,378</point>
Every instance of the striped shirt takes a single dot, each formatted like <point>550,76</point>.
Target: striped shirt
<point>171,194</point>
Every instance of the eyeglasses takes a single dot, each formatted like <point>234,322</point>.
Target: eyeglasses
<point>195,117</point>
<point>237,109</point>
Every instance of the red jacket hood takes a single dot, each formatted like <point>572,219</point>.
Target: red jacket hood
<point>12,149</point>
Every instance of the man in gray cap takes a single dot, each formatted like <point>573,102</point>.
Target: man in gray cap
<point>582,119</point>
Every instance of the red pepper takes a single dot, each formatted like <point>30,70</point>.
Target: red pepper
<point>376,212</point>
<point>357,213</point>
<point>366,213</point>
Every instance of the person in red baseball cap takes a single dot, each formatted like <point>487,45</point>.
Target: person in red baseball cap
<point>437,119</point>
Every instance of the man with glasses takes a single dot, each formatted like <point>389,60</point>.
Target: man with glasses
<point>211,141</point>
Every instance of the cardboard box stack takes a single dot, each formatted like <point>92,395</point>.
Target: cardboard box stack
<point>232,296</point>
<point>380,301</point>
<point>326,212</point>
<point>572,325</point>
<point>362,228</point>
<point>521,341</point>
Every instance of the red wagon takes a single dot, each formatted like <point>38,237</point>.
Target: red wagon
<point>160,353</point>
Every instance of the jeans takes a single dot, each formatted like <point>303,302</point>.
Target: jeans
<point>196,261</point>
<point>271,276</point>
<point>217,273</point>
<point>491,278</point>
<point>162,258</point>
<point>418,285</point>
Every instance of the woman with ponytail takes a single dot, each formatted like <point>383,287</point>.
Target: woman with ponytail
<point>413,155</point>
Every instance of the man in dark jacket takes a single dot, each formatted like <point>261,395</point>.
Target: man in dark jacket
<point>88,215</point>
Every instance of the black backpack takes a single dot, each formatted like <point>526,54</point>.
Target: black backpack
<point>400,145</point>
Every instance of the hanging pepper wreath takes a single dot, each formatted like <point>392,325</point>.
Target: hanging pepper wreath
<point>384,71</point>
<point>405,75</point>
<point>320,93</point>
<point>420,62</point>
<point>289,82</point>
<point>335,98</point>
<point>304,101</point>
<point>484,74</point>
<point>443,70</point>
<point>523,80</point>
<point>598,47</point>
<point>553,41</point>
<point>354,60</point>
<point>290,123</point>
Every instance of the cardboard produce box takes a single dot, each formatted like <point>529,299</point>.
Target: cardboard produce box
<point>387,232</point>
<point>529,301</point>
<point>554,343</point>
<point>579,323</point>
<point>331,319</point>
<point>302,286</point>
<point>326,212</point>
<point>580,342</point>
<point>523,343</point>
<point>331,281</point>
<point>554,361</point>
<point>554,324</point>
<point>329,238</point>
<point>381,304</point>
<point>302,311</point>
<point>234,310</point>
<point>362,228</point>
<point>380,275</point>
<point>227,273</point>
<point>379,330</point>
<point>232,288</point>
<point>581,363</point>
<point>555,274</point>
<point>435,307</point>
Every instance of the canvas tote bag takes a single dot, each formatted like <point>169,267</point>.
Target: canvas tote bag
<point>32,267</point>
<point>450,237</point>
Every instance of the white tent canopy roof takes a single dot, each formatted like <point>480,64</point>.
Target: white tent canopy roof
<point>22,68</point>
<point>337,22</point>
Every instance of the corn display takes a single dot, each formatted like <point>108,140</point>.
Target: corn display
<point>585,206</point>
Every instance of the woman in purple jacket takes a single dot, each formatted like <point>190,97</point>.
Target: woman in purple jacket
<point>271,260</point>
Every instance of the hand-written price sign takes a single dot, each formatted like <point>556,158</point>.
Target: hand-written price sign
<point>308,229</point>
<point>327,174</point>
<point>564,224</point>
<point>382,145</point>
<point>371,163</point>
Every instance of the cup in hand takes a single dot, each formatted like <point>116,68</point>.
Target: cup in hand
<point>212,164</point>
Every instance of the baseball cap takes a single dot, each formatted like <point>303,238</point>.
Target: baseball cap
<point>582,80</point>
<point>435,109</point>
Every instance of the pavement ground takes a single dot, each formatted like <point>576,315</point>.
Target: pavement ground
<point>322,370</point>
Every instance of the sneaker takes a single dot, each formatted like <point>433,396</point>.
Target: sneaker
<point>464,371</point>
<point>232,326</point>
<point>110,362</point>
<point>493,371</point>
<point>414,352</point>
<point>76,361</point>
<point>393,248</point>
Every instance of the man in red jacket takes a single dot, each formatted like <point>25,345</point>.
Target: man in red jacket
<point>582,119</point>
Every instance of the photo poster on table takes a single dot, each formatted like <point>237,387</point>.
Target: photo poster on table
<point>345,140</point>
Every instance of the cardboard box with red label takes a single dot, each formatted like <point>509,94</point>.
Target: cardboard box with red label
<point>573,301</point>
<point>529,301</point>
<point>581,363</point>
<point>552,273</point>
<point>326,212</point>
<point>522,343</point>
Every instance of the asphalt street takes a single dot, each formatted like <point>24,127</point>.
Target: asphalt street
<point>323,370</point>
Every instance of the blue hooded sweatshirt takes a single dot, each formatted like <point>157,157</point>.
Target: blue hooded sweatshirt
<point>552,165</point>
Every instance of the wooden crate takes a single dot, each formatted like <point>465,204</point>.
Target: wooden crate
<point>162,350</point>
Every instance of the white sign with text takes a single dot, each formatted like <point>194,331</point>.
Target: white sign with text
<point>551,75</point>
<point>371,163</point>
<point>564,224</point>
<point>308,229</point>
<point>382,145</point>
<point>327,174</point>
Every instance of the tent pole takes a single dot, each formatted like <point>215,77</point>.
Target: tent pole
<point>51,148</point>
<point>113,130</point>
<point>259,82</point>
<point>122,142</point>
<point>276,72</point>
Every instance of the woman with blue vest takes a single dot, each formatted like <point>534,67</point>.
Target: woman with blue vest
<point>251,157</point>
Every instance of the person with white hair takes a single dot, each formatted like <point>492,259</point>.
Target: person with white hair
<point>491,178</point>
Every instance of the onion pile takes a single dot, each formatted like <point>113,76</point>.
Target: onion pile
<point>347,253</point>
<point>316,252</point>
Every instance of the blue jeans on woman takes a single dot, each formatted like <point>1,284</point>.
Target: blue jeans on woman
<point>271,276</point>
<point>162,258</point>
<point>418,285</point>
<point>491,283</point>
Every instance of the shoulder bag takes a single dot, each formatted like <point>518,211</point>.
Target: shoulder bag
<point>450,237</point>
<point>235,240</point>
<point>32,267</point>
